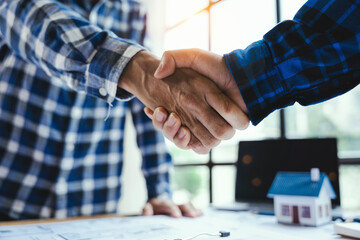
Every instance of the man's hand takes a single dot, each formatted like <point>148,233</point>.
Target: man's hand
<point>156,207</point>
<point>208,64</point>
<point>197,101</point>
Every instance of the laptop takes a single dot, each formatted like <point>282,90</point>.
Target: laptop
<point>259,161</point>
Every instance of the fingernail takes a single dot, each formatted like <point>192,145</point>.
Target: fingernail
<point>160,116</point>
<point>171,121</point>
<point>147,113</point>
<point>161,65</point>
<point>182,133</point>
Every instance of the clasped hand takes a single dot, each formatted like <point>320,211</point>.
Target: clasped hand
<point>221,95</point>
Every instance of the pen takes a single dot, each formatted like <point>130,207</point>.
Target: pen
<point>263,213</point>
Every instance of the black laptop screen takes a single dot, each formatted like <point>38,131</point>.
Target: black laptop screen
<point>259,161</point>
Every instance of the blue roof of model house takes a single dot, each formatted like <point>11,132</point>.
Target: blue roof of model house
<point>300,184</point>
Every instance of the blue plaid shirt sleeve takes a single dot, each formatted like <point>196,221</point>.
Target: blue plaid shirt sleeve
<point>66,45</point>
<point>307,60</point>
<point>157,162</point>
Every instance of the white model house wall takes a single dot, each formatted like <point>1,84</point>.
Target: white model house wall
<point>292,201</point>
<point>323,208</point>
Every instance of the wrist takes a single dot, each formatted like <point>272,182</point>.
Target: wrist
<point>135,73</point>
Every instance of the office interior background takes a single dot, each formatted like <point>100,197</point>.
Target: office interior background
<point>222,26</point>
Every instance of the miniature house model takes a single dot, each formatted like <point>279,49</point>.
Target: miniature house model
<point>302,198</point>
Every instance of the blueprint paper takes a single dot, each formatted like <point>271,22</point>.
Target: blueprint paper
<point>241,225</point>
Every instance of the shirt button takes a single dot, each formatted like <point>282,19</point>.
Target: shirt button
<point>103,92</point>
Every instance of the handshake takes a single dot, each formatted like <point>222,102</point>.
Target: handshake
<point>190,95</point>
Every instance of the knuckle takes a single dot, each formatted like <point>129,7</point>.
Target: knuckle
<point>227,106</point>
<point>195,143</point>
<point>245,125</point>
<point>204,151</point>
<point>157,125</point>
<point>166,53</point>
<point>211,142</point>
<point>180,143</point>
<point>188,101</point>
<point>224,132</point>
<point>201,150</point>
<point>169,135</point>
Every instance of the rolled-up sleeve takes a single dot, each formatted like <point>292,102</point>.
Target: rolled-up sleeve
<point>65,45</point>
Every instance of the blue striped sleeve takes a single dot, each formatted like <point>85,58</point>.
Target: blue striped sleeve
<point>307,60</point>
<point>156,161</point>
<point>65,45</point>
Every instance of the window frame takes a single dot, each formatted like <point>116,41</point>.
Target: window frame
<point>282,124</point>
<point>285,210</point>
<point>305,212</point>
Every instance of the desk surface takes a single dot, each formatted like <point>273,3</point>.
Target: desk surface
<point>242,225</point>
<point>42,221</point>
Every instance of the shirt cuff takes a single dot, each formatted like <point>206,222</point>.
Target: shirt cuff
<point>158,181</point>
<point>106,67</point>
<point>258,80</point>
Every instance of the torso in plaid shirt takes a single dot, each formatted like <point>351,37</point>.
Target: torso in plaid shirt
<point>58,76</point>
<point>308,60</point>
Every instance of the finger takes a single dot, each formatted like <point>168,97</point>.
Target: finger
<point>197,146</point>
<point>149,113</point>
<point>165,207</point>
<point>166,67</point>
<point>171,126</point>
<point>182,138</point>
<point>228,110</point>
<point>174,132</point>
<point>148,210</point>
<point>174,211</point>
<point>205,137</point>
<point>189,210</point>
<point>213,127</point>
<point>197,59</point>
<point>159,117</point>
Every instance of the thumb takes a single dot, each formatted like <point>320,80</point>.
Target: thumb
<point>166,67</point>
<point>206,63</point>
<point>171,60</point>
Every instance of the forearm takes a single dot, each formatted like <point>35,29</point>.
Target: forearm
<point>64,45</point>
<point>135,79</point>
<point>307,60</point>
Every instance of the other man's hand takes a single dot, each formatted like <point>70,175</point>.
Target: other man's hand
<point>208,64</point>
<point>166,207</point>
<point>196,100</point>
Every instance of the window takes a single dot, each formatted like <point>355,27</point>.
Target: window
<point>285,210</point>
<point>305,212</point>
<point>222,26</point>
<point>320,212</point>
<point>327,209</point>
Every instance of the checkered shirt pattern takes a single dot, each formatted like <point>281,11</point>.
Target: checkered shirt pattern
<point>60,62</point>
<point>310,59</point>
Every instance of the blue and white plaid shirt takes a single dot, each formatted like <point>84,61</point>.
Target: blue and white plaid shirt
<point>310,59</point>
<point>59,70</point>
